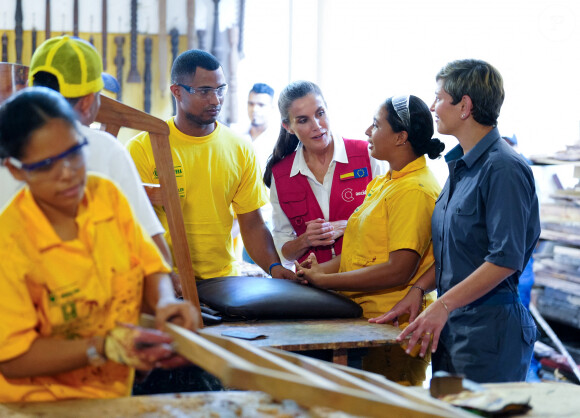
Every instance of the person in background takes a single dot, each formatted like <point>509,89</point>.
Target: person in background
<point>316,178</point>
<point>485,226</point>
<point>387,242</point>
<point>216,170</point>
<point>77,268</point>
<point>74,68</point>
<point>262,134</point>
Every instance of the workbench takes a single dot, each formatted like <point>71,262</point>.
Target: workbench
<point>548,400</point>
<point>338,335</point>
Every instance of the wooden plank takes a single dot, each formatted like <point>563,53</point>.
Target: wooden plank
<point>117,113</point>
<point>359,379</point>
<point>236,372</point>
<point>327,334</point>
<point>114,113</point>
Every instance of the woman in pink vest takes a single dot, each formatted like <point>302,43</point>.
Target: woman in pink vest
<point>316,178</point>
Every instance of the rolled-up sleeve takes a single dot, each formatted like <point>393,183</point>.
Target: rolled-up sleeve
<point>509,193</point>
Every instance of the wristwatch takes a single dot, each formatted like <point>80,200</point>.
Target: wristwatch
<point>93,356</point>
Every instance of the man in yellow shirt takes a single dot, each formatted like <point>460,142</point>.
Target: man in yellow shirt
<point>216,171</point>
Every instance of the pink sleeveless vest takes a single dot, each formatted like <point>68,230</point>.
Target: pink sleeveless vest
<point>347,193</point>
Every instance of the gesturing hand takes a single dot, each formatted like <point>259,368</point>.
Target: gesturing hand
<point>427,326</point>
<point>411,304</point>
<point>310,271</point>
<point>319,233</point>
<point>281,272</point>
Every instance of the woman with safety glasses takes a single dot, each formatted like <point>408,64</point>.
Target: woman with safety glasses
<point>76,268</point>
<point>387,242</point>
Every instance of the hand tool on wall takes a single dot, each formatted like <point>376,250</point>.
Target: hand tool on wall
<point>34,38</point>
<point>4,47</point>
<point>201,39</point>
<point>216,44</point>
<point>134,76</point>
<point>76,18</point>
<point>174,34</point>
<point>104,34</point>
<point>241,20</point>
<point>232,98</point>
<point>119,62</point>
<point>190,24</point>
<point>18,31</point>
<point>47,20</point>
<point>162,49</point>
<point>147,75</point>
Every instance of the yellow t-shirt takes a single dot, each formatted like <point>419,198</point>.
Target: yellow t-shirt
<point>215,174</point>
<point>395,215</point>
<point>71,289</point>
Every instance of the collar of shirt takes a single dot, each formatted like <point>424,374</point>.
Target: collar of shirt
<point>476,152</point>
<point>44,235</point>
<point>414,165</point>
<point>175,132</point>
<point>299,165</point>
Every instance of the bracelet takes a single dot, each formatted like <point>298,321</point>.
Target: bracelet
<point>272,266</point>
<point>95,358</point>
<point>444,305</point>
<point>424,303</point>
<point>420,288</point>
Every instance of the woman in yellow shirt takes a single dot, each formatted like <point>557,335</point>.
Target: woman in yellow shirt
<point>387,241</point>
<point>76,268</point>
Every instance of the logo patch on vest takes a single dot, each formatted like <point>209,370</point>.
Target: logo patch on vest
<point>356,174</point>
<point>348,195</point>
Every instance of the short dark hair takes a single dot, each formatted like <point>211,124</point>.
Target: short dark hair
<point>479,80</point>
<point>46,79</point>
<point>262,88</point>
<point>187,62</point>
<point>25,112</point>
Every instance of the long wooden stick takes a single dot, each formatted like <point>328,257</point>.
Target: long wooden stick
<point>236,371</point>
<point>556,340</point>
<point>345,376</point>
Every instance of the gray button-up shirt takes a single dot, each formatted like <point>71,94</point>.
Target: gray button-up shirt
<point>487,211</point>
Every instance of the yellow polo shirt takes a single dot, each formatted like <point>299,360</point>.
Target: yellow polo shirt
<point>71,289</point>
<point>216,175</point>
<point>395,215</point>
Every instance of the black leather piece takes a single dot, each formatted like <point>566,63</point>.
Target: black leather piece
<point>243,297</point>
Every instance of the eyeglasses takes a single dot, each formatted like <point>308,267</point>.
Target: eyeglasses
<point>204,92</point>
<point>72,158</point>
